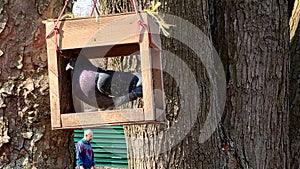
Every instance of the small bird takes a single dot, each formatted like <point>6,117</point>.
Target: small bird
<point>104,89</point>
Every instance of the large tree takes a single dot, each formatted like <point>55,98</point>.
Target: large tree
<point>252,39</point>
<point>294,97</point>
<point>26,138</point>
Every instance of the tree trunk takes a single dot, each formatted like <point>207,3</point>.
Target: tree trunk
<point>178,144</point>
<point>149,145</point>
<point>253,41</point>
<point>294,88</point>
<point>26,138</point>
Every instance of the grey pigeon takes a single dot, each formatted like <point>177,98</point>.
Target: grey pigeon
<point>104,89</point>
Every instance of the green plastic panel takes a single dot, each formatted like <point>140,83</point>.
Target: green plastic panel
<point>109,146</point>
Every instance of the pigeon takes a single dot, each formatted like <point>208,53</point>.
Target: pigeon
<point>101,88</point>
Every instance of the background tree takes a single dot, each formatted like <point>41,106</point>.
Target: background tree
<point>294,96</point>
<point>26,138</point>
<point>252,39</point>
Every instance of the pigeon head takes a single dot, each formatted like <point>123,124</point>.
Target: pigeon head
<point>71,64</point>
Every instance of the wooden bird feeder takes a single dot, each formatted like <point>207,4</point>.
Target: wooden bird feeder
<point>120,34</point>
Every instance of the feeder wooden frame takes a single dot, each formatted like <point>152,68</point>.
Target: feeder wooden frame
<point>119,33</point>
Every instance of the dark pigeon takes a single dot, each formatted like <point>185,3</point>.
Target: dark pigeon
<point>104,89</point>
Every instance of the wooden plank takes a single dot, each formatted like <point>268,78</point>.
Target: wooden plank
<point>109,30</point>
<point>55,111</point>
<point>54,99</point>
<point>158,85</point>
<point>53,84</point>
<point>111,124</point>
<point>100,118</point>
<point>146,68</point>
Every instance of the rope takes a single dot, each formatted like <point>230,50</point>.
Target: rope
<point>141,23</point>
<point>94,7</point>
<point>55,29</point>
<point>162,24</point>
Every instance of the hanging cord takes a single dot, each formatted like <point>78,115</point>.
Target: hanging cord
<point>140,22</point>
<point>55,30</point>
<point>94,7</point>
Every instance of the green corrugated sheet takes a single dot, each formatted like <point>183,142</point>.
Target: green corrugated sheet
<point>109,146</point>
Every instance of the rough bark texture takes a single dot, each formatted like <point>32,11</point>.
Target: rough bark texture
<point>294,133</point>
<point>188,153</point>
<point>26,138</point>
<point>252,39</point>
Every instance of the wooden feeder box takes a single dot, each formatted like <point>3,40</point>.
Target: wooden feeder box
<point>120,34</point>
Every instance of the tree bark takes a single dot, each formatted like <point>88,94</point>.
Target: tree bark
<point>253,42</point>
<point>294,102</point>
<point>187,152</point>
<point>26,138</point>
<point>252,39</point>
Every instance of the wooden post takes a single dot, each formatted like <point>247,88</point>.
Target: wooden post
<point>53,71</point>
<point>146,66</point>
<point>158,85</point>
<point>102,118</point>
